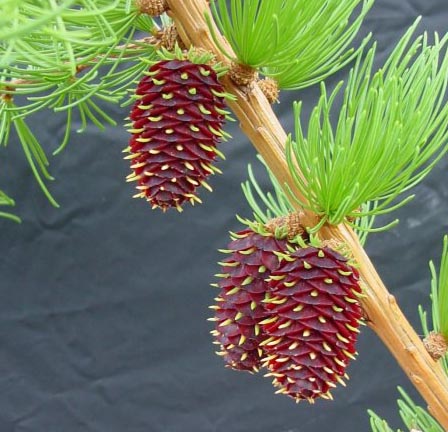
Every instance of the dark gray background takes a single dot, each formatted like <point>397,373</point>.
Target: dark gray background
<point>104,302</point>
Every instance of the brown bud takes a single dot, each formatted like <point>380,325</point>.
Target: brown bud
<point>332,244</point>
<point>7,97</point>
<point>270,89</point>
<point>296,223</point>
<point>291,222</point>
<point>153,8</point>
<point>436,345</point>
<point>168,38</point>
<point>242,75</point>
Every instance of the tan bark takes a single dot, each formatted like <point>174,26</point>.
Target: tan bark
<point>262,127</point>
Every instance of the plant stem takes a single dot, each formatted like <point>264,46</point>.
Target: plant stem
<point>262,127</point>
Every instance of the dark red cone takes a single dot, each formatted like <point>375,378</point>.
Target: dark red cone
<point>313,323</point>
<point>176,125</point>
<point>243,287</point>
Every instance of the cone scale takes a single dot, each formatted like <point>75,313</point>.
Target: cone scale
<point>292,310</point>
<point>176,126</point>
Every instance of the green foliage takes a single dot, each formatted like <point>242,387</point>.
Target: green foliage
<point>269,205</point>
<point>378,424</point>
<point>392,129</point>
<point>79,40</point>
<point>35,156</point>
<point>280,202</point>
<point>5,200</point>
<point>363,225</point>
<point>414,417</point>
<point>443,294</point>
<point>439,300</point>
<point>297,42</point>
<point>53,36</point>
<point>21,17</point>
<point>67,57</point>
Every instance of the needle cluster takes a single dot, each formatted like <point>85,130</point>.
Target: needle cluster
<point>298,43</point>
<point>391,130</point>
<point>65,57</point>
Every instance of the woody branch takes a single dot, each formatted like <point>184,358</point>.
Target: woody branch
<point>262,127</point>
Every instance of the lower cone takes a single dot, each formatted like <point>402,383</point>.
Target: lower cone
<point>313,326</point>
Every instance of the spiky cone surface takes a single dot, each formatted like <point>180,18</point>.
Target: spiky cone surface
<point>176,125</point>
<point>239,306</point>
<point>313,325</point>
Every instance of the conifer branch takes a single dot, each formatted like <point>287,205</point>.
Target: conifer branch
<point>264,130</point>
<point>66,80</point>
<point>81,66</point>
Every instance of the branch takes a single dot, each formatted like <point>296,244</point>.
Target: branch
<point>262,127</point>
<point>10,88</point>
